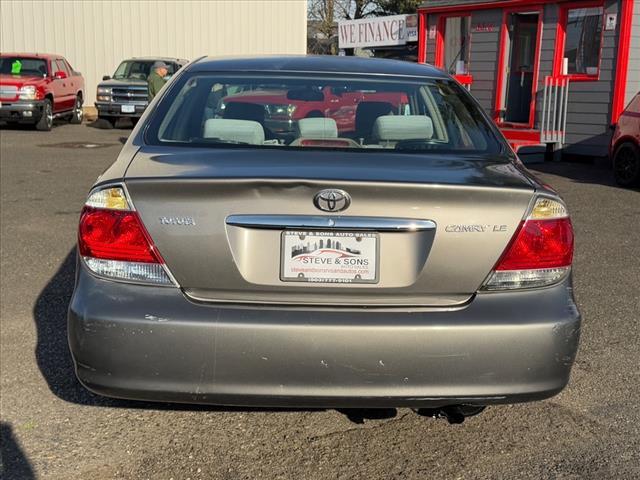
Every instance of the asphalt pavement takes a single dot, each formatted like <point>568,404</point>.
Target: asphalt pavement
<point>54,429</point>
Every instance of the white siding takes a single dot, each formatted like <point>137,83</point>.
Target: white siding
<point>95,36</point>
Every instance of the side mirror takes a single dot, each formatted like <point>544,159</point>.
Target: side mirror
<point>60,75</point>
<point>106,77</point>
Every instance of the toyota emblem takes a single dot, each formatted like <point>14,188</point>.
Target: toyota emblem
<point>332,200</point>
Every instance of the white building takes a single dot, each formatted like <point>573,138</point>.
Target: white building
<point>95,35</point>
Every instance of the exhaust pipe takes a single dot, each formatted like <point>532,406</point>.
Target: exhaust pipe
<point>454,414</point>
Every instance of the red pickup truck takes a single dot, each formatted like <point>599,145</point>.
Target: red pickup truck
<point>353,110</point>
<point>35,88</point>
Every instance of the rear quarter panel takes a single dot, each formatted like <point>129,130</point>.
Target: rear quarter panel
<point>628,128</point>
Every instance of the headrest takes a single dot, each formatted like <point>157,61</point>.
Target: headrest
<point>402,127</point>
<point>317,128</point>
<point>245,131</point>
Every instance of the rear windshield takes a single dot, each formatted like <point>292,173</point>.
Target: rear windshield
<point>278,112</point>
<point>23,66</point>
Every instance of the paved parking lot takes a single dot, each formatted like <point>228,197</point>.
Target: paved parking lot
<point>52,428</point>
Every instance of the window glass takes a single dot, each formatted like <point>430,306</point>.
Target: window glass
<point>295,112</point>
<point>582,40</point>
<point>173,68</point>
<point>456,45</point>
<point>139,70</point>
<point>61,67</point>
<point>69,67</point>
<point>21,66</point>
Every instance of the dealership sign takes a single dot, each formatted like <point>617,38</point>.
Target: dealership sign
<point>378,31</point>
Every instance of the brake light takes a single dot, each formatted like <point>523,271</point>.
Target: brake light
<point>114,243</point>
<point>115,235</point>
<point>540,252</point>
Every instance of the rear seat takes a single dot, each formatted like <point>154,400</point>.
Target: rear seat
<point>395,128</point>
<point>317,128</point>
<point>245,131</point>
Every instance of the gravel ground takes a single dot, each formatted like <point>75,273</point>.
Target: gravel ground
<point>52,428</point>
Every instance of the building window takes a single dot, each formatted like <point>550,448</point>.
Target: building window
<point>457,40</point>
<point>580,41</point>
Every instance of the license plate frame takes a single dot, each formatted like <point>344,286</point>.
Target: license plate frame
<point>127,109</point>
<point>358,255</point>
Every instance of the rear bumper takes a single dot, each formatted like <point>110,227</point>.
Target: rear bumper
<point>21,111</point>
<point>115,110</point>
<point>151,343</point>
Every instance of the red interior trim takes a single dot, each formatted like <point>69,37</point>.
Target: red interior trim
<point>502,64</point>
<point>561,34</point>
<point>622,62</point>
<point>422,37</point>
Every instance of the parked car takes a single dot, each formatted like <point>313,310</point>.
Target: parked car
<point>35,88</point>
<point>125,93</point>
<point>418,264</point>
<point>625,146</point>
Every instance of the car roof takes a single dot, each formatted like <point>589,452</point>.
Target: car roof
<point>160,59</point>
<point>32,55</point>
<point>317,64</point>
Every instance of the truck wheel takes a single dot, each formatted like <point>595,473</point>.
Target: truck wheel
<point>78,114</point>
<point>626,165</point>
<point>46,120</point>
<point>110,120</point>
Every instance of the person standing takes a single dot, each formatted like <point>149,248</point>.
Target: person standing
<point>155,80</point>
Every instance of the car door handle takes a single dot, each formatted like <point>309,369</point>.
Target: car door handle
<point>380,224</point>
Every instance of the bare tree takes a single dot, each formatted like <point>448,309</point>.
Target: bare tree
<point>396,7</point>
<point>355,9</point>
<point>324,15</point>
<point>323,12</point>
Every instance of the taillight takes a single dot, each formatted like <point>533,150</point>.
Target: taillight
<point>114,243</point>
<point>540,252</point>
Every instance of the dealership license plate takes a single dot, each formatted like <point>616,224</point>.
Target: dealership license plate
<point>128,108</point>
<point>329,257</point>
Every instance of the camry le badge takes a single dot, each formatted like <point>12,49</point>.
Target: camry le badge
<point>332,200</point>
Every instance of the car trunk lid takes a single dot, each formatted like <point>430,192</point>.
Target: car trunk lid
<point>200,207</point>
